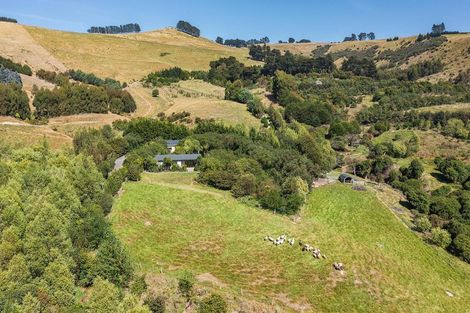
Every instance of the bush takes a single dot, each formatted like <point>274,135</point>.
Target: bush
<point>213,304</point>
<point>360,67</point>
<point>440,237</point>
<point>462,245</point>
<point>445,207</point>
<point>155,304</point>
<point>244,186</point>
<point>138,286</point>
<point>422,224</point>
<point>155,93</point>
<point>14,101</point>
<point>185,285</point>
<point>9,64</point>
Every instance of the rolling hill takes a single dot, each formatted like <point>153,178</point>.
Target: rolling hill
<point>130,57</point>
<point>454,53</point>
<point>170,223</point>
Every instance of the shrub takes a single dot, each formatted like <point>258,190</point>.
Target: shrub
<point>244,186</point>
<point>440,237</point>
<point>155,93</point>
<point>462,245</point>
<point>422,224</point>
<point>185,285</point>
<point>213,304</point>
<point>14,101</point>
<point>138,286</point>
<point>155,304</point>
<point>445,206</point>
<point>9,64</point>
<point>360,67</point>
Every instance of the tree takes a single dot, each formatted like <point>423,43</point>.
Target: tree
<point>414,170</point>
<point>360,67</point>
<point>219,40</point>
<point>185,285</point>
<point>130,304</point>
<point>112,262</point>
<point>104,297</point>
<point>423,224</point>
<point>16,280</point>
<point>46,233</point>
<point>438,29</point>
<point>57,286</point>
<point>445,206</point>
<point>213,304</point>
<point>362,36</point>
<point>440,237</point>
<point>291,40</point>
<point>462,244</point>
<point>14,101</point>
<point>187,28</point>
<point>156,304</point>
<point>371,36</point>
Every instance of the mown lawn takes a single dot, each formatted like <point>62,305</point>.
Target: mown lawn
<point>175,224</point>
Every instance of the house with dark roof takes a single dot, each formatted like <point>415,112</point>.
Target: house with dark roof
<point>171,145</point>
<point>182,160</point>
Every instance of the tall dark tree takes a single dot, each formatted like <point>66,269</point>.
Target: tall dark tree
<point>371,36</point>
<point>219,40</point>
<point>362,36</point>
<point>438,29</point>
<point>291,40</point>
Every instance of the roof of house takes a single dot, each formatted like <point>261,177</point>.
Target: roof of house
<point>178,157</point>
<point>172,143</point>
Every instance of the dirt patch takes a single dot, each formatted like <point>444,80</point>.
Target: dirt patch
<point>208,277</point>
<point>16,43</point>
<point>299,306</point>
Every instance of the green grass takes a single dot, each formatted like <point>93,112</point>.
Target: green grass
<point>168,221</point>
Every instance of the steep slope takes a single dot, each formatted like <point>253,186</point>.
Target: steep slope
<point>17,44</point>
<point>170,223</point>
<point>130,57</point>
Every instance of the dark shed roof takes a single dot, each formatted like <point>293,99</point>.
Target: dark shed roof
<point>177,157</point>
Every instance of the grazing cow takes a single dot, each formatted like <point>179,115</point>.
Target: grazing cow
<point>291,241</point>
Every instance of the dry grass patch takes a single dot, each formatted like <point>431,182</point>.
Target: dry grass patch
<point>130,57</point>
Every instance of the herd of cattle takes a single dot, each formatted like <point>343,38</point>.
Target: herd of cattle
<point>316,253</point>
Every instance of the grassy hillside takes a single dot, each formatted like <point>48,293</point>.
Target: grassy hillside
<point>454,53</point>
<point>130,57</point>
<point>167,221</point>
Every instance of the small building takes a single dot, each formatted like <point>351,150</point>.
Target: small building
<point>346,179</point>
<point>188,160</point>
<point>171,145</point>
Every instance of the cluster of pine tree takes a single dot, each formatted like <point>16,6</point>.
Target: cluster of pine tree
<point>187,28</point>
<point>122,29</point>
<point>8,19</point>
<point>54,237</point>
